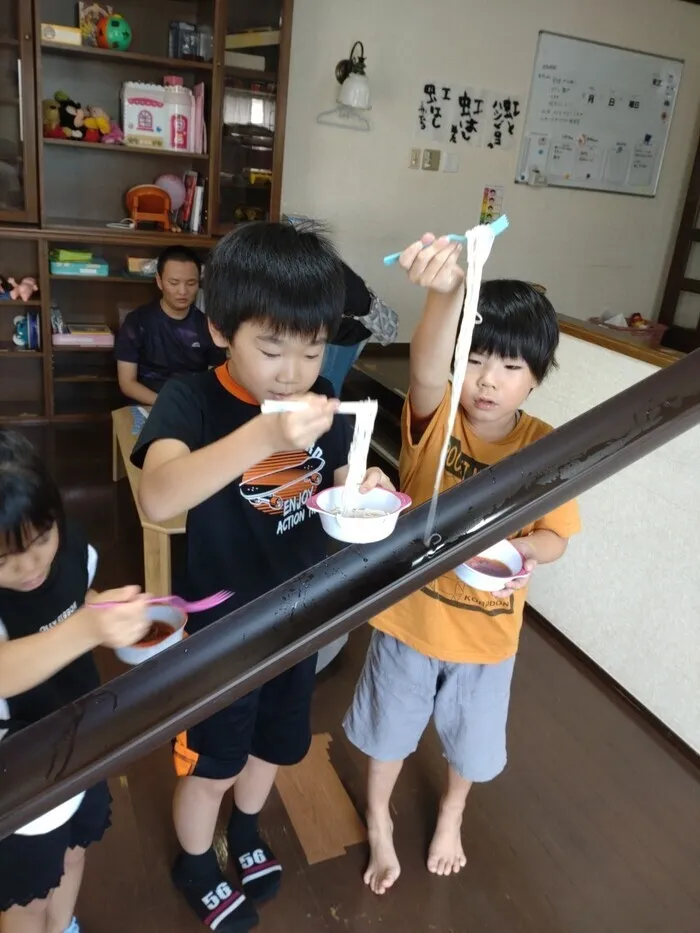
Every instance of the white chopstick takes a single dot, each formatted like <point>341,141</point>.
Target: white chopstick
<point>274,406</point>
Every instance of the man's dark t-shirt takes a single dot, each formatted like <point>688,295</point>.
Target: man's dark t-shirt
<point>257,532</point>
<point>163,347</point>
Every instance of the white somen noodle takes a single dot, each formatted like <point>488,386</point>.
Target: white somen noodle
<point>357,457</point>
<point>479,242</point>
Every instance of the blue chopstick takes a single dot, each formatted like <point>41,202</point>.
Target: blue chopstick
<point>498,226</point>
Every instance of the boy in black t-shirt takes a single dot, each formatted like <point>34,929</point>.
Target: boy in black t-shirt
<point>274,295</point>
<point>46,639</point>
<point>168,336</point>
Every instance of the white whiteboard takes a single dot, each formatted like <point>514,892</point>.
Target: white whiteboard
<point>598,116</point>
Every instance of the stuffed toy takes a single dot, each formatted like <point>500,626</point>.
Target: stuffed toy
<point>13,290</point>
<point>51,122</point>
<point>71,116</point>
<point>115,134</point>
<point>97,125</point>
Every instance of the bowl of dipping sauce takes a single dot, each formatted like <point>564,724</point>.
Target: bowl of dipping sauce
<point>493,568</point>
<point>167,628</point>
<point>373,515</point>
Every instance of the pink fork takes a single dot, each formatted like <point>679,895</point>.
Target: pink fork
<point>199,605</point>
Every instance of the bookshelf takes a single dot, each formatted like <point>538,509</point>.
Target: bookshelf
<point>65,192</point>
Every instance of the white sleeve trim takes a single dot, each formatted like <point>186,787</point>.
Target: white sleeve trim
<point>91,564</point>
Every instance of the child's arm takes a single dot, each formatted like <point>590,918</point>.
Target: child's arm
<point>127,374</point>
<point>26,662</point>
<point>175,478</point>
<point>542,546</point>
<point>434,267</point>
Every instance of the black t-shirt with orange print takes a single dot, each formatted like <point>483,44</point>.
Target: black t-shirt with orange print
<point>257,532</point>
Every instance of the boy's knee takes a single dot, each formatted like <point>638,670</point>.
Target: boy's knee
<point>213,788</point>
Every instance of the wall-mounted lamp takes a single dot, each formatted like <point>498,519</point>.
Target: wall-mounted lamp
<point>353,95</point>
<point>351,75</point>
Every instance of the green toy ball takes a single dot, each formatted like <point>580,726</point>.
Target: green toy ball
<point>113,32</point>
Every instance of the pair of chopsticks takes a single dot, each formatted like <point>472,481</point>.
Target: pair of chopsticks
<point>275,406</point>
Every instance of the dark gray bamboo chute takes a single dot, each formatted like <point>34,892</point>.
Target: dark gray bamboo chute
<point>97,736</point>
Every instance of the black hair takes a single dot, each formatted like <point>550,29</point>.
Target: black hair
<point>30,500</point>
<point>289,277</point>
<point>518,322</point>
<point>178,254</point>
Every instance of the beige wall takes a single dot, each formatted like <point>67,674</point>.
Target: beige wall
<point>628,590</point>
<point>592,250</point>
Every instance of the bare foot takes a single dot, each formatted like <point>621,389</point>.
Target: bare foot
<point>383,868</point>
<point>446,855</point>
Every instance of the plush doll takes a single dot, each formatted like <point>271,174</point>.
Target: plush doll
<point>96,125</point>
<point>23,289</point>
<point>51,123</point>
<point>71,115</point>
<point>115,134</point>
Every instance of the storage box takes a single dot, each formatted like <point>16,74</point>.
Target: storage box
<point>244,60</point>
<point>253,38</point>
<point>63,35</point>
<point>97,267</point>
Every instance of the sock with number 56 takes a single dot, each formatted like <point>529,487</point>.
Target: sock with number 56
<point>219,905</point>
<point>258,869</point>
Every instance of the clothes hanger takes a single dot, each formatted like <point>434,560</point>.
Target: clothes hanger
<point>345,118</point>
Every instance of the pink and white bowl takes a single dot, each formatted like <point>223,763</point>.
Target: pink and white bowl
<point>355,530</point>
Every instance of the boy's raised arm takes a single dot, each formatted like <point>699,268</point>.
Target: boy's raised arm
<point>434,266</point>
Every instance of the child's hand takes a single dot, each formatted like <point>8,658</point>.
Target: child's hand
<point>373,478</point>
<point>434,265</point>
<point>120,625</point>
<point>297,430</point>
<point>527,553</point>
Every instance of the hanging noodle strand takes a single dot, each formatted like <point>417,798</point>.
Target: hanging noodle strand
<point>479,242</point>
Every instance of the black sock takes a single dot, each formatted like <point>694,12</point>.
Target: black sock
<point>259,870</point>
<point>211,897</point>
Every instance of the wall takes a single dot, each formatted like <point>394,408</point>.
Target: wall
<point>627,592</point>
<point>592,250</point>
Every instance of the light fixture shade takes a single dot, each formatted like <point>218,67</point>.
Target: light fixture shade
<point>354,92</point>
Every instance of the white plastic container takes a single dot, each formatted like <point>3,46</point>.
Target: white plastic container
<point>179,116</point>
<point>359,530</point>
<point>142,651</point>
<point>503,553</point>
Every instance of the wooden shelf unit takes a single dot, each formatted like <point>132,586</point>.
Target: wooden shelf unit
<point>67,198</point>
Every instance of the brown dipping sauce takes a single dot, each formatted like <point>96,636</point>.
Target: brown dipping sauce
<point>490,567</point>
<point>157,632</point>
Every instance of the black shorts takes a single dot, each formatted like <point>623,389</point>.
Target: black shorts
<point>32,866</point>
<point>271,723</point>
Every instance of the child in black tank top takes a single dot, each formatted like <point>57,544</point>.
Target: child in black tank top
<point>46,638</point>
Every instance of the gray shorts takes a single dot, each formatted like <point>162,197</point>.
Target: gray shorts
<point>400,689</point>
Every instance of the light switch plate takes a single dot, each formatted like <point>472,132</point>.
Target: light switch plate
<point>450,162</point>
<point>415,159</point>
<point>431,160</point>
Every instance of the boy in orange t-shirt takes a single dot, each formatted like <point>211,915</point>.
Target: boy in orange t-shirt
<point>447,650</point>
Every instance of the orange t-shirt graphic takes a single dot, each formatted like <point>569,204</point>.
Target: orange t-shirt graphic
<point>447,619</point>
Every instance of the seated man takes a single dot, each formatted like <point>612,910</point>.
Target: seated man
<point>166,337</point>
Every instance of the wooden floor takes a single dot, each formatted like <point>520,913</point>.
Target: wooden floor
<point>594,826</point>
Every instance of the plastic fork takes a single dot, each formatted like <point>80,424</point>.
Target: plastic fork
<point>199,605</point>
